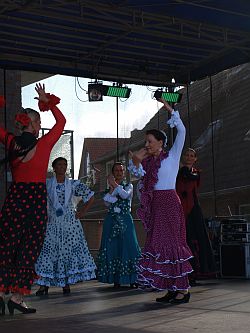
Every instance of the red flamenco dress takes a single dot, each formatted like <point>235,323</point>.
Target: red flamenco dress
<point>23,217</point>
<point>203,263</point>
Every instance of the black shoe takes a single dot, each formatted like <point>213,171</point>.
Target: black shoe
<point>165,299</point>
<point>66,290</point>
<point>43,290</point>
<point>133,285</point>
<point>117,285</point>
<point>184,299</point>
<point>2,307</point>
<point>194,283</point>
<point>13,305</point>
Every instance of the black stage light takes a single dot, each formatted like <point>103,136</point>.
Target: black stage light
<point>95,92</point>
<point>172,97</point>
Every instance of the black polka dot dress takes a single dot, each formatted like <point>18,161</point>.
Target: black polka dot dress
<point>23,222</point>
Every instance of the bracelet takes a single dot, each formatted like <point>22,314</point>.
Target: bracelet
<point>46,106</point>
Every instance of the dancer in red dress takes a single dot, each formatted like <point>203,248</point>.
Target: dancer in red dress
<point>187,184</point>
<point>24,214</point>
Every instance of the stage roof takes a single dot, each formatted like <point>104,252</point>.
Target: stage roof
<point>141,42</point>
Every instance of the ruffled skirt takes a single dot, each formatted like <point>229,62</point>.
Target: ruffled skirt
<point>65,257</point>
<point>165,258</point>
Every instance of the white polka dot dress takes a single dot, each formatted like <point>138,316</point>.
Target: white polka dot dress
<point>65,257</point>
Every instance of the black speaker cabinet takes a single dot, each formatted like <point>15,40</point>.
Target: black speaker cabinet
<point>235,260</point>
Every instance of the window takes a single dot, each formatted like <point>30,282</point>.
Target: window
<point>109,165</point>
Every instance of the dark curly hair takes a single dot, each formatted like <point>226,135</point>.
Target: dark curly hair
<point>57,160</point>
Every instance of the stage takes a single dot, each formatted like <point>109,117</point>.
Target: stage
<point>216,306</point>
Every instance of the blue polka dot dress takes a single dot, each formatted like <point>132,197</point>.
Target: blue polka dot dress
<point>65,257</point>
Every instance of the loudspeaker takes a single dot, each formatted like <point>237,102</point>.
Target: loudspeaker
<point>235,260</point>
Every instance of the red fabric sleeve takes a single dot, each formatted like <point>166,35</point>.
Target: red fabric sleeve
<point>3,134</point>
<point>54,134</point>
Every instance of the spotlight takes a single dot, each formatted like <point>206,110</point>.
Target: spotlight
<point>95,92</point>
<point>172,97</point>
<point>116,91</point>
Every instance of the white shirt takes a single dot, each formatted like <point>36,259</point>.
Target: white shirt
<point>126,193</point>
<point>168,170</point>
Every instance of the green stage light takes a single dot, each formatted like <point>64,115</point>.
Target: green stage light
<point>172,97</point>
<point>116,91</point>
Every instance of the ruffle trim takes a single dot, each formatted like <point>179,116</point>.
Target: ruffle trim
<point>185,256</point>
<point>53,101</point>
<point>55,281</point>
<point>137,172</point>
<point>162,274</point>
<point>152,284</point>
<point>16,289</point>
<point>174,120</point>
<point>151,166</point>
<point>17,281</point>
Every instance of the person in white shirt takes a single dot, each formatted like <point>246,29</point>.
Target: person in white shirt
<point>119,251</point>
<point>164,264</point>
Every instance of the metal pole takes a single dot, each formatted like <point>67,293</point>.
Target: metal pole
<point>5,126</point>
<point>158,120</point>
<point>188,112</point>
<point>72,155</point>
<point>213,157</point>
<point>117,130</point>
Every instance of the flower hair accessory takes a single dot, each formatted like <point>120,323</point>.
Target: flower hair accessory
<point>2,101</point>
<point>165,139</point>
<point>23,119</point>
<point>53,101</point>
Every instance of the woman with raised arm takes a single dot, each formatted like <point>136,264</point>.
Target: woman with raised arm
<point>187,184</point>
<point>165,257</point>
<point>23,217</point>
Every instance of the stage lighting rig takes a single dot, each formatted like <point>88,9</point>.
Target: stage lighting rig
<point>116,91</point>
<point>172,97</point>
<point>95,91</point>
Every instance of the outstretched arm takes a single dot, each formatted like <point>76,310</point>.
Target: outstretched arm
<point>48,102</point>
<point>175,121</point>
<point>166,105</point>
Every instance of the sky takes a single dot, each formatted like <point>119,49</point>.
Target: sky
<point>93,119</point>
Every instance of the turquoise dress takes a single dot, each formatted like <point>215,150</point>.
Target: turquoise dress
<point>119,251</point>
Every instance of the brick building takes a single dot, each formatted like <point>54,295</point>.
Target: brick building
<point>217,118</point>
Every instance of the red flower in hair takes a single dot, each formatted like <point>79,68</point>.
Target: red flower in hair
<point>23,119</point>
<point>2,101</point>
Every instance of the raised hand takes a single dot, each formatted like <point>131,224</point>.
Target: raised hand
<point>111,182</point>
<point>138,156</point>
<point>40,89</point>
<point>166,105</point>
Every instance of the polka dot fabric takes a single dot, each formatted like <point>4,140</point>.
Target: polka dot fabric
<point>65,257</point>
<point>22,228</point>
<point>165,258</point>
